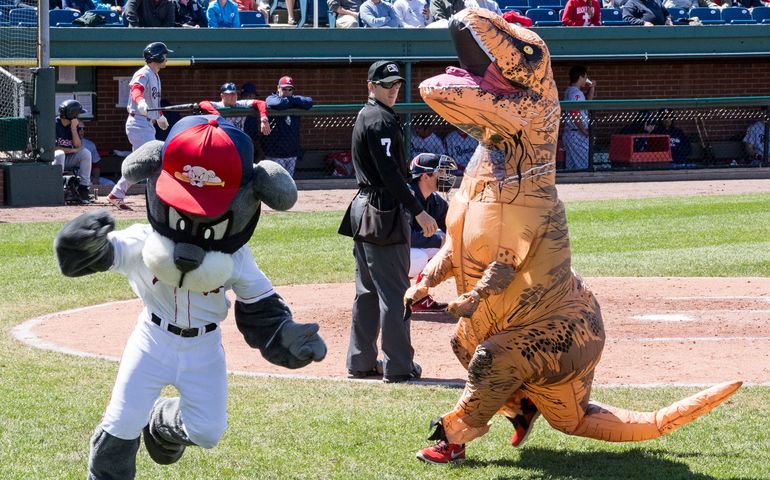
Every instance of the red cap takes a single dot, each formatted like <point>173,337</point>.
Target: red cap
<point>286,82</point>
<point>206,159</point>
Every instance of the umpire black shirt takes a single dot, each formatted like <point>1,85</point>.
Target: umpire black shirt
<point>378,157</point>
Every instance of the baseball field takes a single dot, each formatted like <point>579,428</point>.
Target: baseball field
<point>695,255</point>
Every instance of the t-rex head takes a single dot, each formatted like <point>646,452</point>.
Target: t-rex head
<point>503,95</point>
<point>204,195</point>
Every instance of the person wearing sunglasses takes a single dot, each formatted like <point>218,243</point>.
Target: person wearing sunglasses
<point>378,220</point>
<point>282,145</point>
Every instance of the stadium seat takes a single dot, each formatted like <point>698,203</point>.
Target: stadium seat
<point>554,5</point>
<point>23,17</point>
<point>62,18</point>
<point>113,19</point>
<point>761,14</point>
<point>737,15</point>
<point>707,15</point>
<point>612,16</point>
<point>520,5</point>
<point>3,19</point>
<point>252,19</point>
<point>543,17</point>
<point>679,16</point>
<point>303,11</point>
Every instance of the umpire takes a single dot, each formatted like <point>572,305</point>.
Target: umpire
<point>378,221</point>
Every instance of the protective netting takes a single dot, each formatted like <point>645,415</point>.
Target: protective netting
<point>18,53</point>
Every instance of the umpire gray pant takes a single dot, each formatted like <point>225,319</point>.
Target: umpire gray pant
<point>381,281</point>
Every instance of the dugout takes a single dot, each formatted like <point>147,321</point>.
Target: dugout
<point>330,65</point>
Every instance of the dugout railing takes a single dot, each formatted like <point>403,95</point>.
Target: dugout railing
<point>713,129</point>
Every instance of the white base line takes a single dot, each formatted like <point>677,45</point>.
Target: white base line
<point>687,339</point>
<point>762,298</point>
<point>23,333</point>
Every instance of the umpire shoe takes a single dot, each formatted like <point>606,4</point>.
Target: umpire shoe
<point>442,453</point>
<point>427,304</point>
<point>374,372</point>
<point>416,373</point>
<point>162,453</point>
<point>522,424</point>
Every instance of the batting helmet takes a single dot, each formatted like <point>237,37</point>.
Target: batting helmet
<point>156,52</point>
<point>443,165</point>
<point>71,109</point>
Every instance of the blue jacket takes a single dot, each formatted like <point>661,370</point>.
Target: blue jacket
<point>223,17</point>
<point>283,140</point>
<point>437,208</point>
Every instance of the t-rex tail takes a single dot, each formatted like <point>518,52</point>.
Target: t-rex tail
<point>611,424</point>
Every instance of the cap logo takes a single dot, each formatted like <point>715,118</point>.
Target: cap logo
<point>392,68</point>
<point>199,177</point>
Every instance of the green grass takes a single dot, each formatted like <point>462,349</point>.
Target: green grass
<point>50,403</point>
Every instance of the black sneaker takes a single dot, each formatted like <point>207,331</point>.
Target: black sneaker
<point>416,373</point>
<point>84,194</point>
<point>374,372</point>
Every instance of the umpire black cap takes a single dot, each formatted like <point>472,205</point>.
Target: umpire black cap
<point>385,71</point>
<point>156,52</point>
<point>71,109</point>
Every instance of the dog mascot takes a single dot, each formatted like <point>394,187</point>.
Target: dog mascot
<point>203,202</point>
<point>530,332</point>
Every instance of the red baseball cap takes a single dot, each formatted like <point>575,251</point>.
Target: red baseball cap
<point>205,161</point>
<point>285,82</point>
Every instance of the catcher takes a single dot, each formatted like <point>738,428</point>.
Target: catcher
<point>530,331</point>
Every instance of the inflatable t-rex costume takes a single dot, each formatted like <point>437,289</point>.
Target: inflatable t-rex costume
<point>529,328</point>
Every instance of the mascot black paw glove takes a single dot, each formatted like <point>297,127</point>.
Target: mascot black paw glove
<point>303,342</point>
<point>82,247</point>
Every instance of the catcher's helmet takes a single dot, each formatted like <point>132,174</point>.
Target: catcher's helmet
<point>71,109</point>
<point>156,52</point>
<point>443,165</point>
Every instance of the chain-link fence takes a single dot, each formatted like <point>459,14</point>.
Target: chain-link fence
<point>18,53</point>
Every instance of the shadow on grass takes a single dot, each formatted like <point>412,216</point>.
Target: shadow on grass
<point>632,464</point>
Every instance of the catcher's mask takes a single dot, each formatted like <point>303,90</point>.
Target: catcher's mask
<point>442,165</point>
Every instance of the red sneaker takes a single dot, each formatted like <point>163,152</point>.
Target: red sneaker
<point>442,453</point>
<point>522,424</point>
<point>427,304</point>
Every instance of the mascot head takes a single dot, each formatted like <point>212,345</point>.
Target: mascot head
<point>503,95</point>
<point>204,196</point>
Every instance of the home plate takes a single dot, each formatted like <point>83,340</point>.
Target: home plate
<point>665,317</point>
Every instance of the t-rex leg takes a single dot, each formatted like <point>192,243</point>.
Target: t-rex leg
<point>567,409</point>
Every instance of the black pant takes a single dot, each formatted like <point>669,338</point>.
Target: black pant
<point>381,281</point>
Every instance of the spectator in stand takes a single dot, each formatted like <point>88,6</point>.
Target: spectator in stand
<point>113,5</point>
<point>261,7</point>
<point>490,5</point>
<point>81,6</point>
<point>680,144</point>
<point>223,14</point>
<point>688,4</point>
<point>190,13</point>
<point>441,10</point>
<point>150,13</point>
<point>460,146</point>
<point>575,135</point>
<point>431,174</point>
<point>754,142</point>
<point>412,13</point>
<point>378,14</point>
<point>613,3</point>
<point>282,145</point>
<point>54,4</point>
<point>646,13</point>
<point>425,141</point>
<point>581,13</point>
<point>345,12</point>
<point>69,151</point>
<point>743,3</point>
<point>228,94</point>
